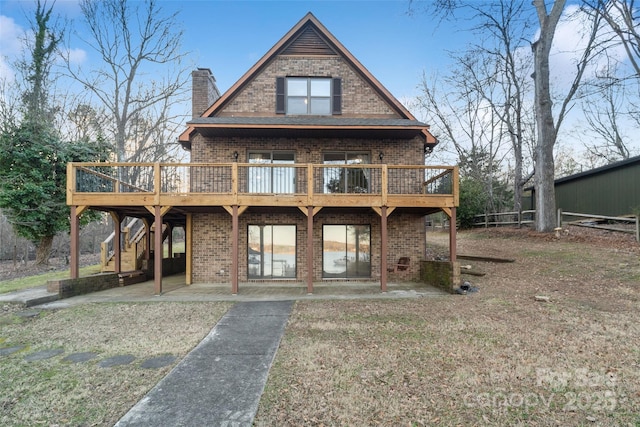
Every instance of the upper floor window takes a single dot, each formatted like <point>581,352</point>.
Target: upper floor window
<point>318,96</point>
<point>265,178</point>
<point>351,179</point>
<point>308,96</point>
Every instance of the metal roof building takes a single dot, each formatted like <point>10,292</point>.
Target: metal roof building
<point>612,190</point>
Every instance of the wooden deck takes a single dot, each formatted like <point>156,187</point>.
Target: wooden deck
<point>171,193</point>
<point>121,185</point>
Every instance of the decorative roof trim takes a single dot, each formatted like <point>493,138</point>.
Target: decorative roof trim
<point>304,121</point>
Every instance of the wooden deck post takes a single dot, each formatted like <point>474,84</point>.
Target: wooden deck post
<point>170,240</point>
<point>234,250</point>
<point>188,248</point>
<point>452,235</point>
<point>157,250</point>
<point>75,245</point>
<point>309,249</point>
<point>147,239</point>
<point>383,249</point>
<point>117,248</point>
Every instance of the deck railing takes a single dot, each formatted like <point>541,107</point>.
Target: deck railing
<point>314,184</point>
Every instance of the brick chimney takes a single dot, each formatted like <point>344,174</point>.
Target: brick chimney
<point>204,91</point>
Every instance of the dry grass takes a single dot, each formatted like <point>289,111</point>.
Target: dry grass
<point>52,392</point>
<point>496,357</point>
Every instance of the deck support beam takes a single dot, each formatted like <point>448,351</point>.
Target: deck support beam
<point>170,240</point>
<point>117,248</point>
<point>147,239</point>
<point>310,213</point>
<point>383,248</point>
<point>75,244</point>
<point>234,249</point>
<point>157,251</point>
<point>452,234</point>
<point>188,242</point>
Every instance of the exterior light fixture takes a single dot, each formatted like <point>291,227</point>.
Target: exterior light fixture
<point>235,156</point>
<point>381,156</point>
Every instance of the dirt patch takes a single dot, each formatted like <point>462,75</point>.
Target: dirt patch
<point>496,357</point>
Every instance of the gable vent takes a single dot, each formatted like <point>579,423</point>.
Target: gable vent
<point>309,42</point>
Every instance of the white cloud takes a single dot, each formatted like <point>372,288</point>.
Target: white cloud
<point>569,42</point>
<point>76,56</point>
<point>11,35</point>
<point>6,73</point>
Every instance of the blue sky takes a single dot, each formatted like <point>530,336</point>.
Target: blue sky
<point>230,36</point>
<point>394,46</point>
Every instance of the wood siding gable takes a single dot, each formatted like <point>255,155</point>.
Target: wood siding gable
<point>308,42</point>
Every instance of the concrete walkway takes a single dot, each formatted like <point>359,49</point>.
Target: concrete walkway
<point>30,297</point>
<point>221,380</point>
<point>175,289</point>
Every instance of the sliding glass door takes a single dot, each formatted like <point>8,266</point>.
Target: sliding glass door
<point>346,251</point>
<point>271,252</point>
<point>272,179</point>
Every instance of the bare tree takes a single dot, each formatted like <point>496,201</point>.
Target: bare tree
<point>469,125</point>
<point>604,119</point>
<point>619,15</point>
<point>135,41</point>
<point>505,64</point>
<point>85,123</point>
<point>547,120</point>
<point>613,104</point>
<point>547,123</point>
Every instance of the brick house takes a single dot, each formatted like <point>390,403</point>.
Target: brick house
<point>306,170</point>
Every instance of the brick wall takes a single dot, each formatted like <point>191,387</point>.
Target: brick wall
<point>175,265</point>
<point>358,98</point>
<point>442,274</point>
<point>308,150</point>
<point>67,288</point>
<point>212,251</point>
<point>212,231</point>
<point>204,91</point>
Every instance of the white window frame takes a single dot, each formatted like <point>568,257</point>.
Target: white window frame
<point>308,97</point>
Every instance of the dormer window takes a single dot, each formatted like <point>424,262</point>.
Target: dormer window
<point>308,96</point>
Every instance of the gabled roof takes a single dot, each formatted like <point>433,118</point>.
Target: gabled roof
<point>308,36</point>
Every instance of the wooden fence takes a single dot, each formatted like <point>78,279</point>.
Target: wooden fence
<point>622,224</point>
<point>602,222</point>
<point>504,218</point>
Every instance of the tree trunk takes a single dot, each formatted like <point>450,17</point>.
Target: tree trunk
<point>517,178</point>
<point>545,189</point>
<point>43,251</point>
<point>547,133</point>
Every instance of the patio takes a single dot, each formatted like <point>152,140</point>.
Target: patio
<point>176,289</point>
